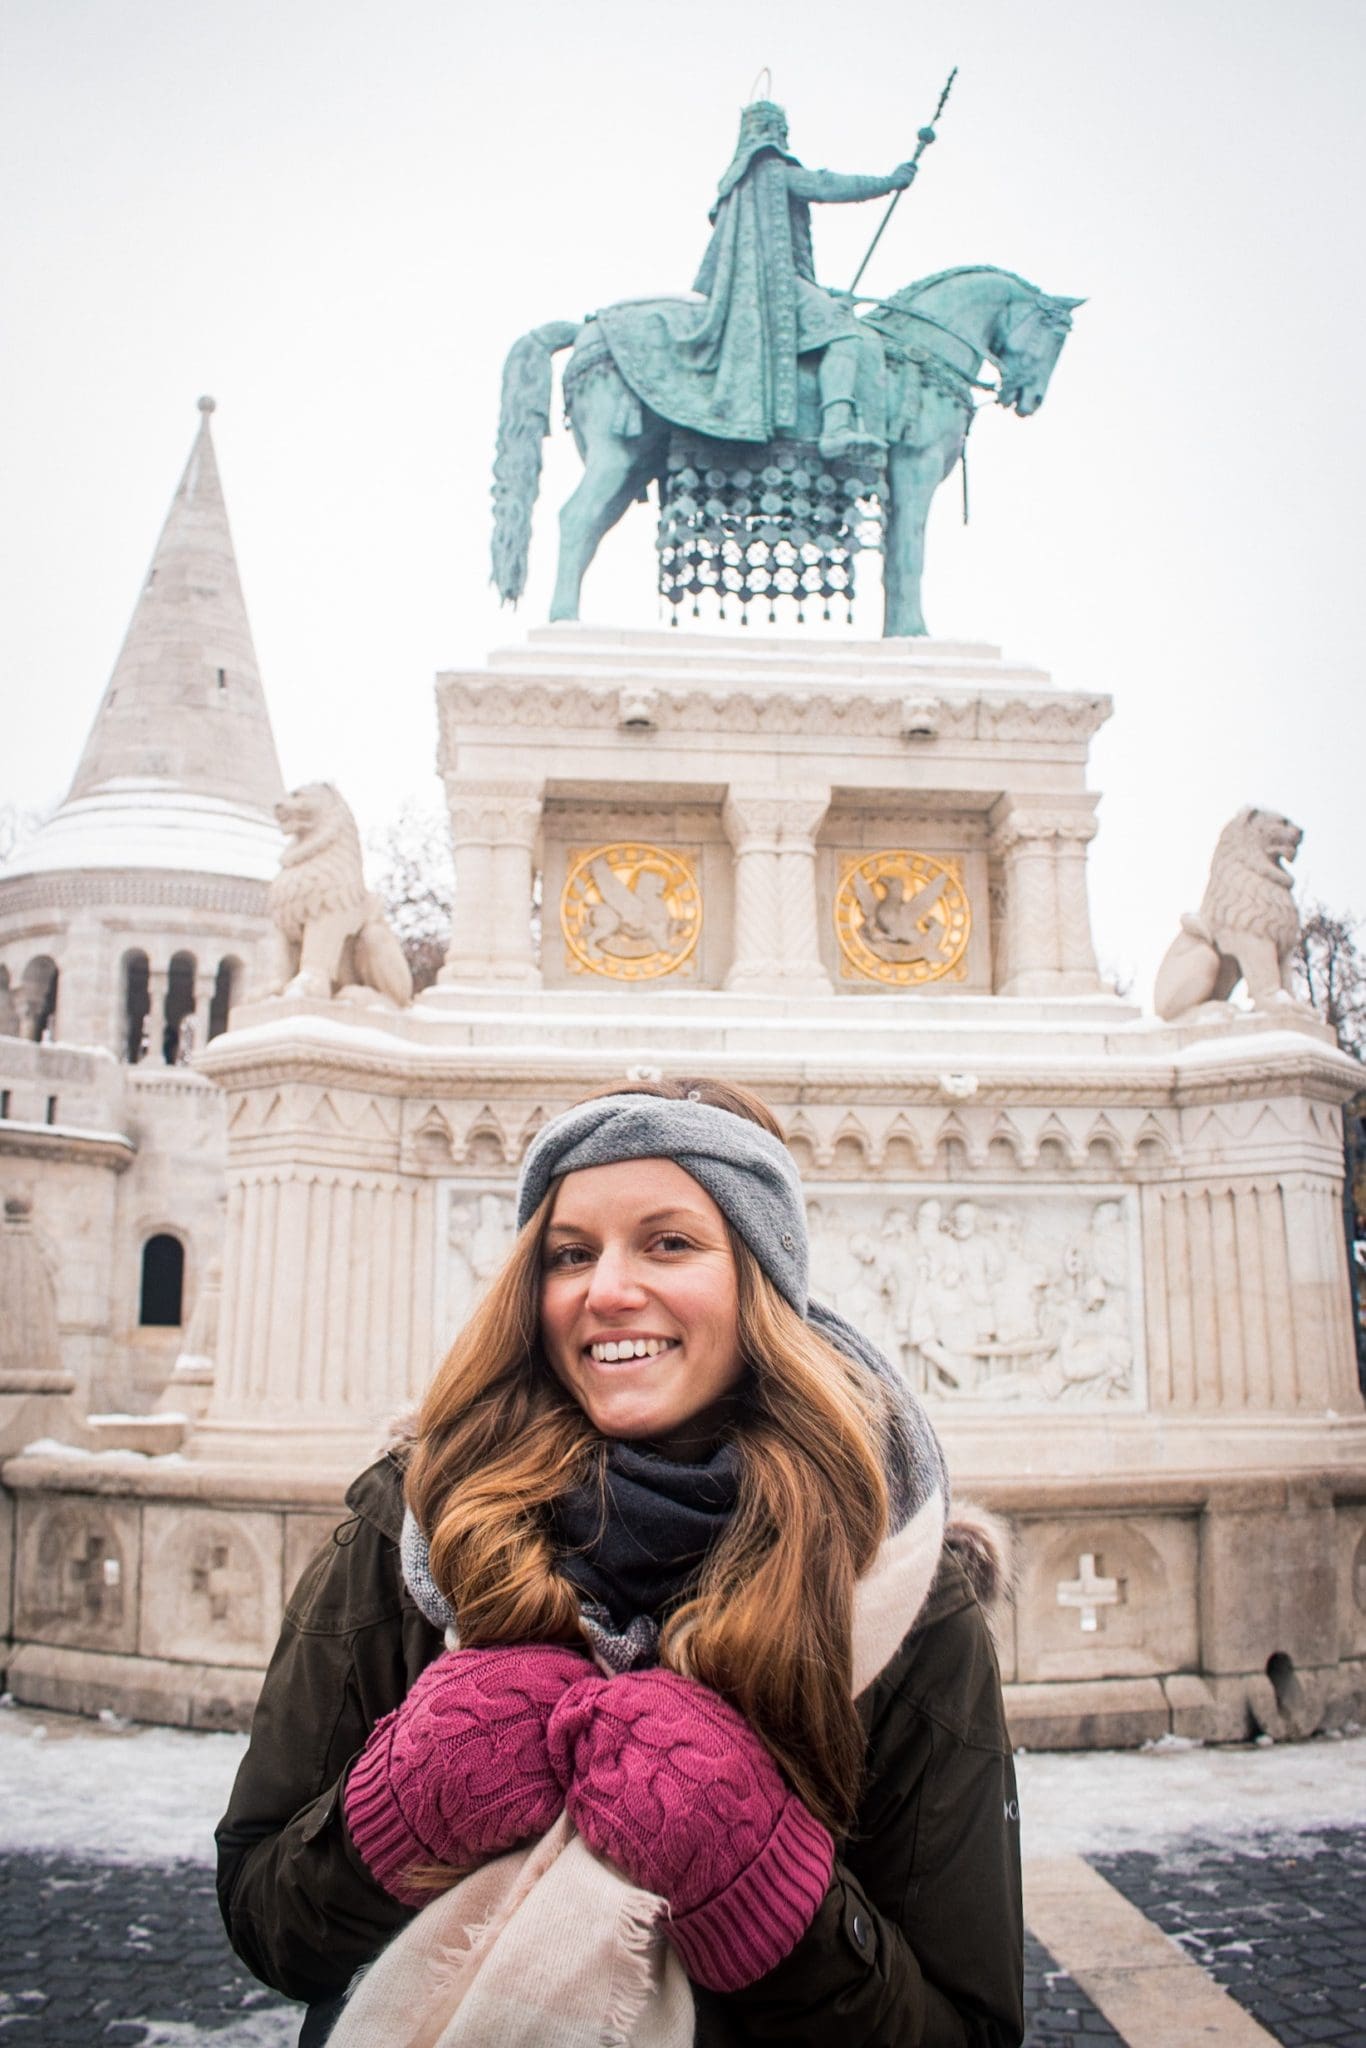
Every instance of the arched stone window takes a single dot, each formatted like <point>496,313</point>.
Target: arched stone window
<point>134,1038</point>
<point>38,998</point>
<point>163,1281</point>
<point>179,1006</point>
<point>227,990</point>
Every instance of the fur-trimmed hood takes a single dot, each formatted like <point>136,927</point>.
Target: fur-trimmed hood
<point>982,1544</point>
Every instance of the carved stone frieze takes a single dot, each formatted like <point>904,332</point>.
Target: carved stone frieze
<point>39,895</point>
<point>641,814</point>
<point>877,825</point>
<point>536,704</point>
<point>1015,1300</point>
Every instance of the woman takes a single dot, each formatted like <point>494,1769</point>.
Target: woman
<point>716,1748</point>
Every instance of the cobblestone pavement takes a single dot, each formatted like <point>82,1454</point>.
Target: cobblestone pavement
<point>1058,2013</point>
<point>106,1954</point>
<point>100,1953</point>
<point>1282,1926</point>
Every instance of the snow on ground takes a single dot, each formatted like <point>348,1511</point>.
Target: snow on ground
<point>115,1793</point>
<point>1089,1801</point>
<point>276,2029</point>
<point>121,1794</point>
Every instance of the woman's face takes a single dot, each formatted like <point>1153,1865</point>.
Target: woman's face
<point>639,1302</point>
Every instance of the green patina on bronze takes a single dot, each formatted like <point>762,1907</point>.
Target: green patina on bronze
<point>728,368</point>
<point>764,369</point>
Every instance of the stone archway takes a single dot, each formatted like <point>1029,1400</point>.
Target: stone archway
<point>135,1001</point>
<point>161,1294</point>
<point>37,998</point>
<point>177,1025</point>
<point>227,990</point>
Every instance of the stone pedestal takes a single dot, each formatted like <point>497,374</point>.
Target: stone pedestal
<point>1105,1251</point>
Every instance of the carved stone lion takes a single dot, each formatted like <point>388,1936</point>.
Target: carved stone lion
<point>332,933</point>
<point>1247,926</point>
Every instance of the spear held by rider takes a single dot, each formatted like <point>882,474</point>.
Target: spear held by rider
<point>924,137</point>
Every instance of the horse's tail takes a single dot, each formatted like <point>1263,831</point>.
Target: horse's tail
<point>523,423</point>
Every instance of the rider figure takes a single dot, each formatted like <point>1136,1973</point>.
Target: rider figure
<point>764,305</point>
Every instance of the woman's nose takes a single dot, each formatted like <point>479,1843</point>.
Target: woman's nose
<point>615,1279</point>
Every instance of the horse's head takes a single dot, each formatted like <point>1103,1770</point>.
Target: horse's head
<point>1025,345</point>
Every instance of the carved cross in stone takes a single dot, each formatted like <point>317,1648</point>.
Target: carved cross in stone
<point>1088,1592</point>
<point>220,1584</point>
<point>92,1574</point>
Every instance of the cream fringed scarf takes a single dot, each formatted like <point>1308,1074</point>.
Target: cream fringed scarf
<point>549,1943</point>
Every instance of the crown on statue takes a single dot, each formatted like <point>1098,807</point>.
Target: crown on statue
<point>763,121</point>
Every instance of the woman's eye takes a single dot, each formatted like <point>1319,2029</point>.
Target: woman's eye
<point>673,1241</point>
<point>568,1255</point>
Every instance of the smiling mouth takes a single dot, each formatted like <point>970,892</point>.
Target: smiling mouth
<point>613,1351</point>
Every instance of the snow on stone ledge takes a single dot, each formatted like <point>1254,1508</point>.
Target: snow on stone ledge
<point>133,824</point>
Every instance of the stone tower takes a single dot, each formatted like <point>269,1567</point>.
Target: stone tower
<point>130,922</point>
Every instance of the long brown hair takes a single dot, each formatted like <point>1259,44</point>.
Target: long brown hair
<point>769,1623</point>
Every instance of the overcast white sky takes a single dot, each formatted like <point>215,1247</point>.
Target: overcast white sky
<point>337,216</point>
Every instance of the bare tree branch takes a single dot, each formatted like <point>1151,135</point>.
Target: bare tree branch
<point>415,876</point>
<point>1330,971</point>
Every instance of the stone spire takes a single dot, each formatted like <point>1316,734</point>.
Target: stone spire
<point>184,710</point>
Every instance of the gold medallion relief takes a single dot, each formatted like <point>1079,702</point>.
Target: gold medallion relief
<point>902,918</point>
<point>631,911</point>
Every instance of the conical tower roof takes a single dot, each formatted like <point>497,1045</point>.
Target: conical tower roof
<point>184,705</point>
<point>179,769</point>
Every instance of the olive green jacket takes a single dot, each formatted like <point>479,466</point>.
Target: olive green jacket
<point>919,1941</point>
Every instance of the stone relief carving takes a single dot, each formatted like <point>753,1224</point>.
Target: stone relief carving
<point>633,912</point>
<point>902,918</point>
<point>76,1581</point>
<point>481,1224</point>
<point>1247,926</point>
<point>1007,1300</point>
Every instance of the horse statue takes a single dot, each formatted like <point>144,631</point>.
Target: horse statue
<point>935,337</point>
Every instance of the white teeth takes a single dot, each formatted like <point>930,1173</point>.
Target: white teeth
<point>611,1351</point>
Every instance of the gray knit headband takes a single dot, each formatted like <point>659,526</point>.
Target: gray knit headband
<point>749,1174</point>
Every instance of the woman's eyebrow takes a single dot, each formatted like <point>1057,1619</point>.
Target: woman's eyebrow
<point>684,1214</point>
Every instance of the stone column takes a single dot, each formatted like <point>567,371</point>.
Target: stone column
<point>204,984</point>
<point>803,811</point>
<point>158,981</point>
<point>32,1379</point>
<point>514,860</point>
<point>493,839</point>
<point>777,943</point>
<point>1077,953</point>
<point>27,1004</point>
<point>325,1324</point>
<point>1048,949</point>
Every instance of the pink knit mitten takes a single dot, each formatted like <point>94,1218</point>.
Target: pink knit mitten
<point>459,1772</point>
<point>671,1784</point>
